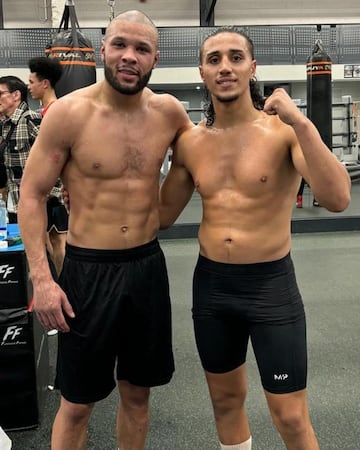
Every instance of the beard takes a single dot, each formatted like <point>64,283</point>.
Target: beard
<point>123,89</point>
<point>228,99</point>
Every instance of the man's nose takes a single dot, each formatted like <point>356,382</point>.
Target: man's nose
<point>129,54</point>
<point>225,65</point>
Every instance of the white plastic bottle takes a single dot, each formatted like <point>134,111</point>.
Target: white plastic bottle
<point>3,219</point>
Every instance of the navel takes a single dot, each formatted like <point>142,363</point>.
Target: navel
<point>124,228</point>
<point>263,179</point>
<point>228,241</point>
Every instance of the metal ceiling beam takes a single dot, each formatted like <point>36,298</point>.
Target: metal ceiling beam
<point>207,17</point>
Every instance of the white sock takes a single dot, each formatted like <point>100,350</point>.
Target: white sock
<point>243,446</point>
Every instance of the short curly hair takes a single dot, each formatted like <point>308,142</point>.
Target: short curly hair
<point>46,69</point>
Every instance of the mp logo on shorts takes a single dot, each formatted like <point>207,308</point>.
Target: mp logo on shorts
<point>12,336</point>
<point>281,377</point>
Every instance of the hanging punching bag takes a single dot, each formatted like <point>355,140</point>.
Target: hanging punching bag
<point>75,53</point>
<point>319,92</point>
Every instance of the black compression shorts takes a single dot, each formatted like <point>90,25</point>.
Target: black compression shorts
<point>57,216</point>
<point>232,302</point>
<point>123,320</point>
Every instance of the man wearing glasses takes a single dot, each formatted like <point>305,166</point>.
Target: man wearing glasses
<point>20,127</point>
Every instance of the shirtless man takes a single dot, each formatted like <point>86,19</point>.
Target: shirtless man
<point>246,163</point>
<point>108,142</point>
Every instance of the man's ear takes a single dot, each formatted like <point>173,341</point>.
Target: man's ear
<point>201,72</point>
<point>102,51</point>
<point>156,59</point>
<point>253,68</point>
<point>17,94</point>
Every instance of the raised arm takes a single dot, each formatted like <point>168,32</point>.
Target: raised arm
<point>43,167</point>
<point>327,177</point>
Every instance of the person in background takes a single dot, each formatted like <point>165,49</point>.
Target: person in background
<point>246,160</point>
<point>44,74</point>
<point>299,196</point>
<point>3,176</point>
<point>111,306</point>
<point>20,126</point>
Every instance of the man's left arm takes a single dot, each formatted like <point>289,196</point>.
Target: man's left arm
<point>175,192</point>
<point>328,178</point>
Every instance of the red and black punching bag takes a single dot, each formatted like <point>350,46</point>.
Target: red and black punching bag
<point>319,92</point>
<point>75,53</point>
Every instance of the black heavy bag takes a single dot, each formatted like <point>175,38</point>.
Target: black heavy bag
<point>319,98</point>
<point>75,53</point>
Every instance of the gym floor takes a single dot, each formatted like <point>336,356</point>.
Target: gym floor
<point>328,267</point>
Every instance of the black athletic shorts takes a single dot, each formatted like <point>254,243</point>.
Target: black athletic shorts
<point>122,327</point>
<point>57,215</point>
<point>232,302</point>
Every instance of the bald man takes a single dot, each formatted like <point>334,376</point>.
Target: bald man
<point>111,305</point>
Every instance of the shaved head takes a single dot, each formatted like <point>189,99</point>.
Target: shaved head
<point>132,16</point>
<point>129,49</point>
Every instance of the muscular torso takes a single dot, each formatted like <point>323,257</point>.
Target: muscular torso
<point>248,186</point>
<point>112,173</point>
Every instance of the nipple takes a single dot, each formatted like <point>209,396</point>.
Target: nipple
<point>96,165</point>
<point>263,179</point>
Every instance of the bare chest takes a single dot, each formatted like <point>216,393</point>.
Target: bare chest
<point>121,148</point>
<point>248,162</point>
